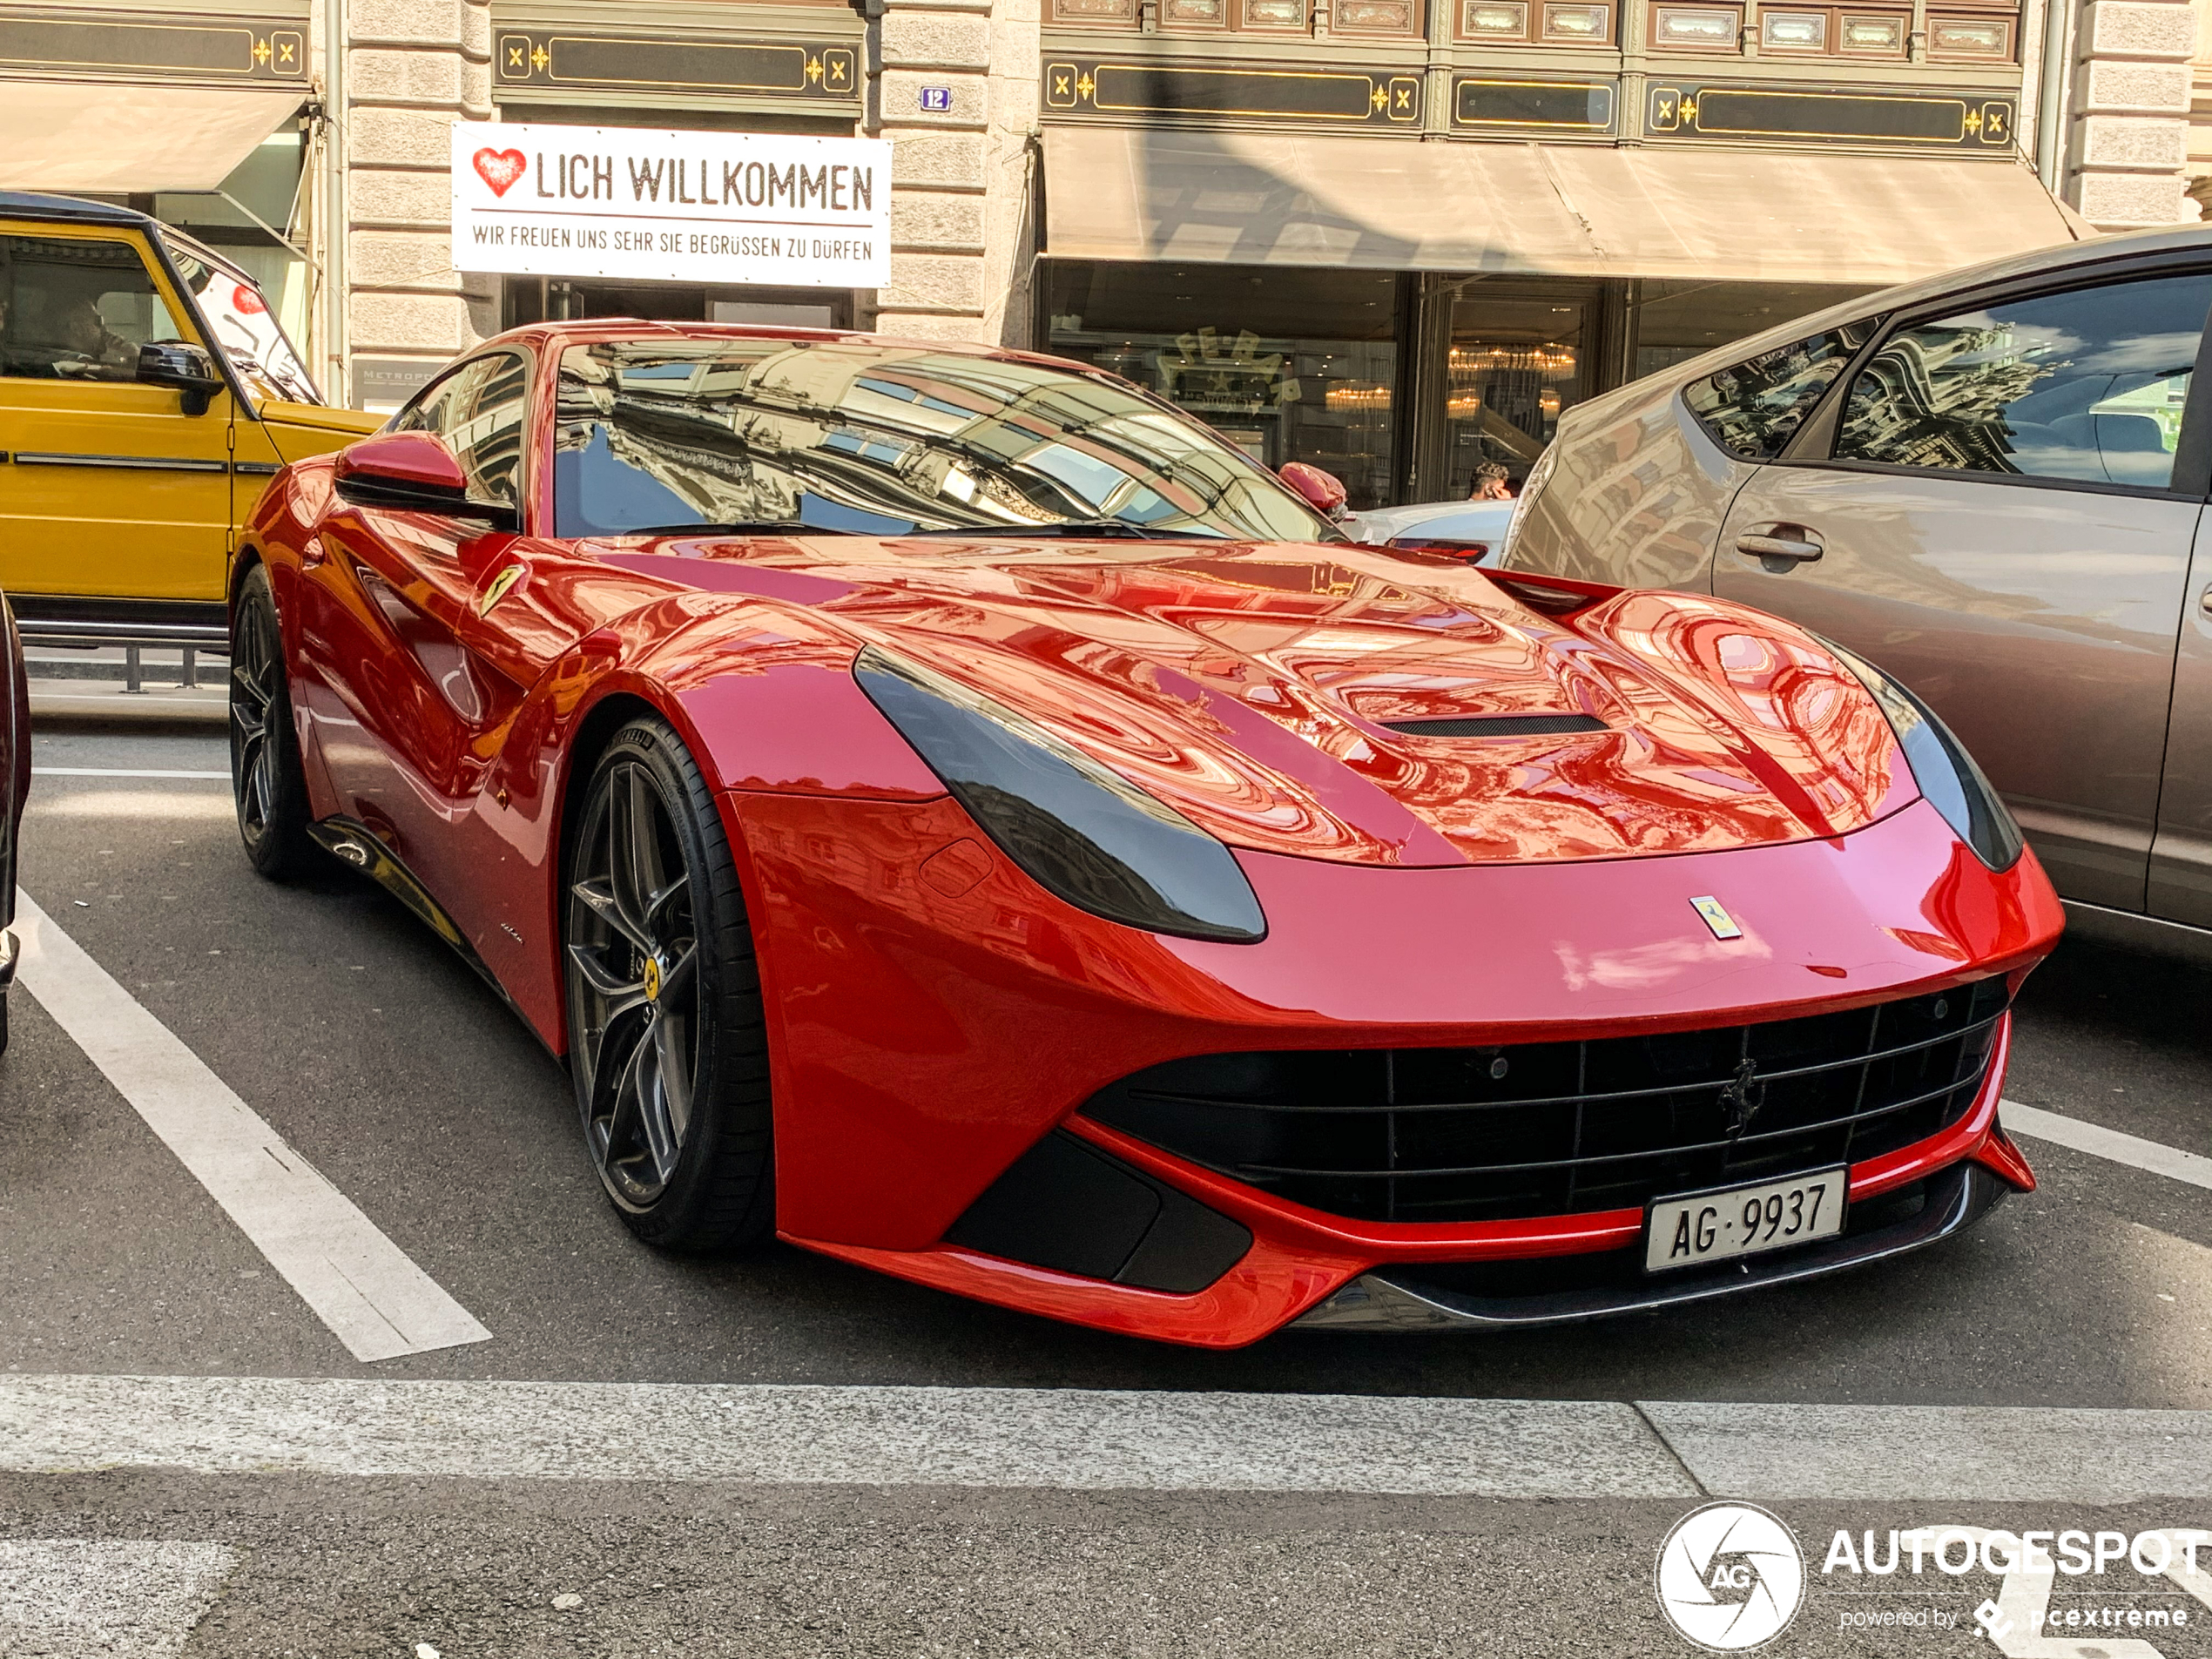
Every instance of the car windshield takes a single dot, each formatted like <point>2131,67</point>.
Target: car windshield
<point>843,436</point>
<point>244,327</point>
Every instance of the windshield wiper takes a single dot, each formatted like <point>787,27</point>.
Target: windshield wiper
<point>741,527</point>
<point>1077,527</point>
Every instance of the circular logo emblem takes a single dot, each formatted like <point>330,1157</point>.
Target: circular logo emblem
<point>1731,1576</point>
<point>652,979</point>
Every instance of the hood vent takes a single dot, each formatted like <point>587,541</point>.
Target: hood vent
<point>1500,725</point>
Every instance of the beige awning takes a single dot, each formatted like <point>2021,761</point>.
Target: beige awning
<point>1567,209</point>
<point>93,139</point>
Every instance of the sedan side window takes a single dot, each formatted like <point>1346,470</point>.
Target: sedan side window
<point>1753,409</point>
<point>75,309</point>
<point>2087,386</point>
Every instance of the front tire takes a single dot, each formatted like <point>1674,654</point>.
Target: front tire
<point>267,783</point>
<point>667,1030</point>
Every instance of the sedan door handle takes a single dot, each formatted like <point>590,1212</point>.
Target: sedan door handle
<point>1780,547</point>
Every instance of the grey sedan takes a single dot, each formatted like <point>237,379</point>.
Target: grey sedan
<point>1991,484</point>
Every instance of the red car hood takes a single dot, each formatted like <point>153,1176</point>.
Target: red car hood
<point>1252,686</point>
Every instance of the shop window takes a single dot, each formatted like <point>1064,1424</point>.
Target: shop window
<point>1493,20</point>
<point>1968,36</point>
<point>1516,363</point>
<point>1872,35</point>
<point>1830,31</point>
<point>1289,365</point>
<point>1707,29</point>
<point>1375,16</point>
<point>1094,12</point>
<point>1793,31</point>
<point>1579,24</point>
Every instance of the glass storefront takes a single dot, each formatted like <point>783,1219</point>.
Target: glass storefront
<point>1518,355</point>
<point>1289,365</point>
<point>1306,365</point>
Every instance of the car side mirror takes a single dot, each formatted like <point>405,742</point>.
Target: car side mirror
<point>184,366</point>
<point>411,472</point>
<point>1323,491</point>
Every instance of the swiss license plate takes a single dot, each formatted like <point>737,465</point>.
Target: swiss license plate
<point>1743,1221</point>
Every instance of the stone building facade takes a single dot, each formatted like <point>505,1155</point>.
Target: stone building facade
<point>1394,238</point>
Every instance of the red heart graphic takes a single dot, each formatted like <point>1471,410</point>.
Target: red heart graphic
<point>501,168</point>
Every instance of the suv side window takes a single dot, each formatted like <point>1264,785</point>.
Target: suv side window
<point>2087,385</point>
<point>478,410</point>
<point>1753,409</point>
<point>75,309</point>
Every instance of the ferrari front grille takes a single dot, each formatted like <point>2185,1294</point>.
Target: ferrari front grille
<point>1507,1133</point>
<point>1500,725</point>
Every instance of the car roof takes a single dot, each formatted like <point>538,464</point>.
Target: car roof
<point>539,335</point>
<point>21,204</point>
<point>2067,256</point>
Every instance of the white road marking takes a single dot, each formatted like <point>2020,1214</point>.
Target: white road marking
<point>120,771</point>
<point>2020,1627</point>
<point>357,1281</point>
<point>1994,1454</point>
<point>1077,1439</point>
<point>2108,1143</point>
<point>1090,1440</point>
<point>70,1598</point>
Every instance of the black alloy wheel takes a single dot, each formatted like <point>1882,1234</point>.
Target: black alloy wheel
<point>266,780</point>
<point>667,1032</point>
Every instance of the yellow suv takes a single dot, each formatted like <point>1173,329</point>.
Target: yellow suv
<point>147,395</point>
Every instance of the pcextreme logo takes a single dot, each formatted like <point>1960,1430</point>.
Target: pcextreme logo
<point>1730,1577</point>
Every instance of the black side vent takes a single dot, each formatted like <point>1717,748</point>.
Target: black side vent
<point>1501,725</point>
<point>1076,1208</point>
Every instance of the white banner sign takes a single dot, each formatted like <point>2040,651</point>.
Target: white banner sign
<point>709,208</point>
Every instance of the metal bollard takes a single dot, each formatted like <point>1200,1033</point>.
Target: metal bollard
<point>132,675</point>
<point>190,681</point>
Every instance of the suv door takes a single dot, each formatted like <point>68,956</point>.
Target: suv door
<point>108,488</point>
<point>1999,510</point>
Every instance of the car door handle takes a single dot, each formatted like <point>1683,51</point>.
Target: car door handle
<point>1780,547</point>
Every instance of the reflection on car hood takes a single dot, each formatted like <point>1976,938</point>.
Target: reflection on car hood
<point>1260,690</point>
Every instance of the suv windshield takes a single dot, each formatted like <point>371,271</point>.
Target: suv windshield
<point>244,326</point>
<point>844,436</point>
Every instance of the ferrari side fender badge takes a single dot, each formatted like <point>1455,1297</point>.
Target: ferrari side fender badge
<point>1716,918</point>
<point>502,585</point>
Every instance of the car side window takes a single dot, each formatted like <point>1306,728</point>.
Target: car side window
<point>76,309</point>
<point>1753,409</point>
<point>488,436</point>
<point>2088,385</point>
<point>478,410</point>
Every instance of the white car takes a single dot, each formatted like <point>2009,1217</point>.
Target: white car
<point>1474,530</point>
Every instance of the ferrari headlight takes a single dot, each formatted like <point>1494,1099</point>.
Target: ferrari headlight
<point>1946,773</point>
<point>1080,831</point>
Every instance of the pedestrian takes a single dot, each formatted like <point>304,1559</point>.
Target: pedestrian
<point>1490,483</point>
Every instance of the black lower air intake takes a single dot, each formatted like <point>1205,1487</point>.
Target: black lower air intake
<point>1070,1206</point>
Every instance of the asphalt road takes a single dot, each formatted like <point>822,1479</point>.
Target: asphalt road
<point>357,1036</point>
